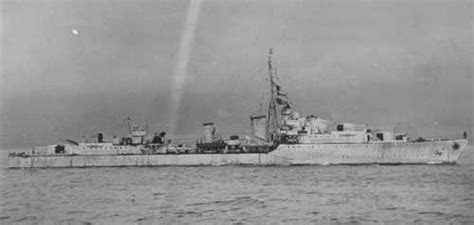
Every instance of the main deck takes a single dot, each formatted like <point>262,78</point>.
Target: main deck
<point>432,152</point>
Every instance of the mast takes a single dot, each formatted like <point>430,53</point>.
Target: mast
<point>129,123</point>
<point>271,122</point>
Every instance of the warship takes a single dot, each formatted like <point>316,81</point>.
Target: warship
<point>280,135</point>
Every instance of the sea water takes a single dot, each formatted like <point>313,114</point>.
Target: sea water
<point>369,194</point>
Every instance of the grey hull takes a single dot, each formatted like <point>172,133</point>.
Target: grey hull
<point>432,152</point>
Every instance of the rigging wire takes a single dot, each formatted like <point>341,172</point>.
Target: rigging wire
<point>262,98</point>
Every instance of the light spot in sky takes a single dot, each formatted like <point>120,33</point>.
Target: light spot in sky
<point>74,32</point>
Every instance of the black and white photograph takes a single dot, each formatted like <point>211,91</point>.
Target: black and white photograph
<point>236,112</point>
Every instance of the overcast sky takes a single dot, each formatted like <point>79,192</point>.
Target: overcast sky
<point>71,68</point>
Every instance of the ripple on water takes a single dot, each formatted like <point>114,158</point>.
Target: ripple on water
<point>435,213</point>
<point>4,217</point>
<point>75,212</point>
<point>26,219</point>
<point>240,195</point>
<point>240,201</point>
